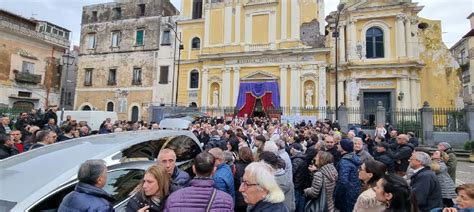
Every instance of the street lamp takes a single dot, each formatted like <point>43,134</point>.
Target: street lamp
<point>335,34</point>
<point>68,59</point>
<point>181,47</point>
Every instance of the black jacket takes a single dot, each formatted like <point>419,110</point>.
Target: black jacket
<point>50,114</point>
<point>402,154</point>
<point>386,158</point>
<point>2,129</point>
<point>137,202</point>
<point>264,206</point>
<point>335,154</point>
<point>87,197</point>
<point>239,173</point>
<point>301,179</point>
<point>427,189</point>
<point>6,151</point>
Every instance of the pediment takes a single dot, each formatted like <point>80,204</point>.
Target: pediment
<point>362,4</point>
<point>260,76</point>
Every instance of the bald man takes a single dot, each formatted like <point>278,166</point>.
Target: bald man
<point>402,154</point>
<point>223,177</point>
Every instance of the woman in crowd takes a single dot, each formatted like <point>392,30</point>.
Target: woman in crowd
<point>369,173</point>
<point>245,158</point>
<point>282,177</point>
<point>151,193</point>
<point>464,200</point>
<point>394,192</point>
<point>324,172</point>
<point>447,185</point>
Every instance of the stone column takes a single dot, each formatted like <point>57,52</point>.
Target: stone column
<point>412,94</point>
<point>427,124</point>
<point>295,20</point>
<point>227,22</point>
<point>207,22</point>
<point>284,17</point>
<point>283,85</point>
<point>295,86</point>
<point>205,88</point>
<point>352,40</point>
<point>408,38</point>
<point>380,115</point>
<point>405,89</point>
<point>341,44</point>
<point>400,30</point>
<point>322,87</point>
<point>414,39</point>
<point>469,110</point>
<point>236,84</point>
<point>340,91</point>
<point>237,24</point>
<point>342,118</point>
<point>226,83</point>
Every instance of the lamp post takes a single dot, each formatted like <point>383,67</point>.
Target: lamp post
<point>68,60</point>
<point>335,34</point>
<point>181,47</point>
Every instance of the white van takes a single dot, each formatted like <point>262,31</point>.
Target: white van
<point>94,118</point>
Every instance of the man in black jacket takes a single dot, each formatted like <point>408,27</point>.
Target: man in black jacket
<point>301,178</point>
<point>424,182</point>
<point>7,148</point>
<point>385,155</point>
<point>331,147</point>
<point>402,153</point>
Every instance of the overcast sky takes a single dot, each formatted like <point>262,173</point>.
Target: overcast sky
<point>67,13</point>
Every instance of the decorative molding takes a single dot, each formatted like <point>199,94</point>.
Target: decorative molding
<point>309,76</point>
<point>259,75</point>
<point>214,79</point>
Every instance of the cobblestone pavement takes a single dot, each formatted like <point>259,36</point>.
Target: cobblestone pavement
<point>464,173</point>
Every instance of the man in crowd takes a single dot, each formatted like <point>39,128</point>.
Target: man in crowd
<point>347,184</point>
<point>424,183</point>
<point>452,161</point>
<point>201,194</point>
<point>51,114</point>
<point>44,137</point>
<point>51,125</point>
<point>385,155</point>
<point>19,145</point>
<point>402,153</point>
<point>22,123</point>
<point>88,194</point>
<point>331,147</point>
<point>5,126</point>
<point>7,148</point>
<point>179,178</point>
<point>223,177</point>
<point>67,133</point>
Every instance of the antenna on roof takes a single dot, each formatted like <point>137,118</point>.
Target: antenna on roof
<point>33,15</point>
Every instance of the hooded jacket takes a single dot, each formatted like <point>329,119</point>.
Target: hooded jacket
<point>348,185</point>
<point>329,173</point>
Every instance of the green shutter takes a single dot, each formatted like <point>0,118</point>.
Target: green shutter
<point>139,40</point>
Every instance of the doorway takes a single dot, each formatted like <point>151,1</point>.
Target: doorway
<point>134,113</point>
<point>258,110</point>
<point>370,103</point>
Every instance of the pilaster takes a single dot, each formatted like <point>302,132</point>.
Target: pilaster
<point>236,84</point>
<point>341,44</point>
<point>227,23</point>
<point>237,24</point>
<point>408,38</point>
<point>284,16</point>
<point>322,87</point>
<point>207,22</point>
<point>295,87</point>
<point>205,88</point>
<point>400,30</point>
<point>295,20</point>
<point>283,85</point>
<point>352,39</point>
<point>226,87</point>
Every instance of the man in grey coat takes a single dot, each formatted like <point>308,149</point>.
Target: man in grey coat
<point>424,182</point>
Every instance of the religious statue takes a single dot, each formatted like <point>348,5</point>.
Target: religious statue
<point>215,97</point>
<point>309,96</point>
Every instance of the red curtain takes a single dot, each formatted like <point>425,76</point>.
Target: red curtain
<point>267,101</point>
<point>249,105</point>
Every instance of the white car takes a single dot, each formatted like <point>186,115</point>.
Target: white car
<point>39,179</point>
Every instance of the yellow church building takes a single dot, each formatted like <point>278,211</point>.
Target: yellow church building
<point>280,53</point>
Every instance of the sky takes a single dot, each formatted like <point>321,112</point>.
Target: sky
<point>67,13</point>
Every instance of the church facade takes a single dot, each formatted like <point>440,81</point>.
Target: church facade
<point>281,54</point>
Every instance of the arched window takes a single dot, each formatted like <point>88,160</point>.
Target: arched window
<point>196,43</point>
<point>86,107</point>
<point>194,79</point>
<point>374,43</point>
<point>110,106</point>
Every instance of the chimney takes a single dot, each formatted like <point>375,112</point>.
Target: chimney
<point>471,18</point>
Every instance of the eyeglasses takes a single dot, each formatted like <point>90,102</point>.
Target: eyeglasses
<point>15,134</point>
<point>245,184</point>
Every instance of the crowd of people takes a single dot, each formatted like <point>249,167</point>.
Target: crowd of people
<point>261,164</point>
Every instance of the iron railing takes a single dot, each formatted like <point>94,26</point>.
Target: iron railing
<point>449,120</point>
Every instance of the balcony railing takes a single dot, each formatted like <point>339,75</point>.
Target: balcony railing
<point>25,77</point>
<point>258,47</point>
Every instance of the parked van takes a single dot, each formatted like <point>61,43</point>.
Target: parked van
<point>94,118</point>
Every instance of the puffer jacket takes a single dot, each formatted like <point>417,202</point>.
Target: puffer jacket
<point>224,179</point>
<point>447,185</point>
<point>179,179</point>
<point>329,173</point>
<point>265,206</point>
<point>348,184</point>
<point>387,158</point>
<point>137,202</point>
<point>402,154</point>
<point>283,178</point>
<point>300,171</point>
<point>87,197</point>
<point>196,197</point>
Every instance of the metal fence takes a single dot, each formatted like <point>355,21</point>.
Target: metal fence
<point>449,120</point>
<point>361,117</point>
<point>406,120</point>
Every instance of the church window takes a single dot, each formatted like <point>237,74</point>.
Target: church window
<point>196,43</point>
<point>197,9</point>
<point>194,79</point>
<point>374,43</point>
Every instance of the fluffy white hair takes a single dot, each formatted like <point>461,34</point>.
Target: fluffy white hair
<point>263,174</point>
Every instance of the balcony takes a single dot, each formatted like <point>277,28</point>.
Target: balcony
<point>19,29</point>
<point>259,47</point>
<point>27,78</point>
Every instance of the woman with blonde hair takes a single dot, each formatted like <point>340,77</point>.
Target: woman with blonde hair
<point>151,193</point>
<point>438,165</point>
<point>325,175</point>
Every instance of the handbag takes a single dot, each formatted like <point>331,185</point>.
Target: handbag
<point>318,204</point>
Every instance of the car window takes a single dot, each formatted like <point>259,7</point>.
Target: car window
<point>184,147</point>
<point>120,183</point>
<point>147,150</point>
